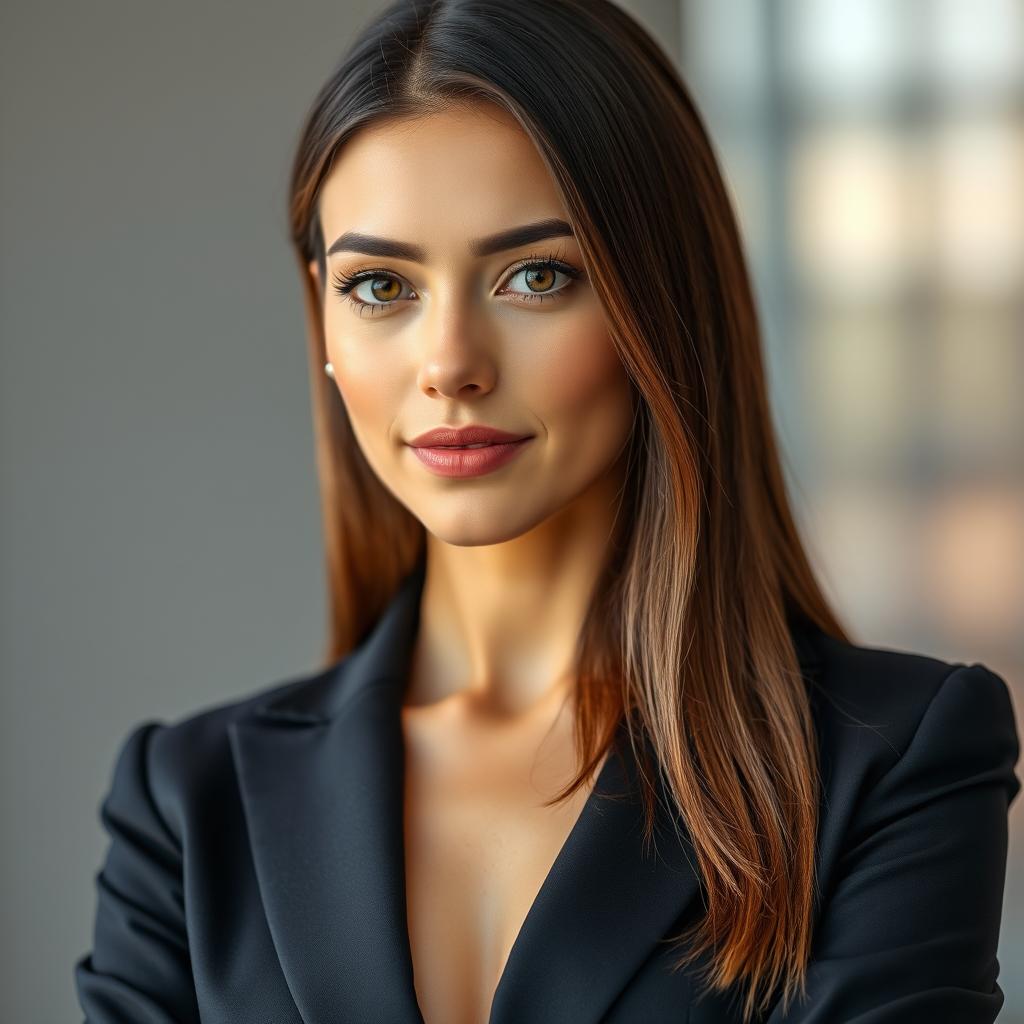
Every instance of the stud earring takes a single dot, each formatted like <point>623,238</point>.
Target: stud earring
<point>329,369</point>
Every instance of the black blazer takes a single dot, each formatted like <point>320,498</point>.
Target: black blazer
<point>255,870</point>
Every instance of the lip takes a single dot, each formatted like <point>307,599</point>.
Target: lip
<point>472,434</point>
<point>502,446</point>
<point>469,462</point>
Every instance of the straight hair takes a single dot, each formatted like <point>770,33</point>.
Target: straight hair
<point>689,631</point>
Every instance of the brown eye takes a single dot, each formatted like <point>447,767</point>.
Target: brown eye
<point>382,289</point>
<point>385,289</point>
<point>540,280</point>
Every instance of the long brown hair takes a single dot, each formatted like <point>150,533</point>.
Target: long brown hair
<point>688,633</point>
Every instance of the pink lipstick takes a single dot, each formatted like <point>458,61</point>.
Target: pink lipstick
<point>467,451</point>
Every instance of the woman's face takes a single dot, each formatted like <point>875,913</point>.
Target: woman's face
<point>445,333</point>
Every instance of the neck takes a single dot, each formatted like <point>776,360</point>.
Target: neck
<point>499,622</point>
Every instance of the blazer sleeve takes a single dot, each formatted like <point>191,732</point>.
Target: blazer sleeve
<point>139,968</point>
<point>910,926</point>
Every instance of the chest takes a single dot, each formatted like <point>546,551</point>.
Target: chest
<point>479,843</point>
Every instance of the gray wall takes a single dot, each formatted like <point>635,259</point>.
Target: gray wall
<point>160,531</point>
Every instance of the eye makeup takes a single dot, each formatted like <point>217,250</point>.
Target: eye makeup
<point>343,285</point>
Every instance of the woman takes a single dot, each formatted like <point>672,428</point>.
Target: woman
<point>590,743</point>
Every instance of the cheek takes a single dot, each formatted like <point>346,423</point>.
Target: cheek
<point>582,377</point>
<point>584,398</point>
<point>370,388</point>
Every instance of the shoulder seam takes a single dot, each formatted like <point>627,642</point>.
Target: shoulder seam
<point>957,667</point>
<point>151,729</point>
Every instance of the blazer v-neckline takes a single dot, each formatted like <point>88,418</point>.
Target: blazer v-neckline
<point>321,775</point>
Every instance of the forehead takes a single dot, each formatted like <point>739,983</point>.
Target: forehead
<point>451,174</point>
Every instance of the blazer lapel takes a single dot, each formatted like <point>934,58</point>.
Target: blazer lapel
<point>320,770</point>
<point>609,901</point>
<point>602,909</point>
<point>321,774</point>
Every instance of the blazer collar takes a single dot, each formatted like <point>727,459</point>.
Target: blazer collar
<point>321,775</point>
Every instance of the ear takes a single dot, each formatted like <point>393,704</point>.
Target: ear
<point>315,272</point>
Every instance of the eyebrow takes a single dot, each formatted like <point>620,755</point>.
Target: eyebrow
<point>511,238</point>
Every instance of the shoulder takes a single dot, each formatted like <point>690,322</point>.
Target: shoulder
<point>178,766</point>
<point>877,707</point>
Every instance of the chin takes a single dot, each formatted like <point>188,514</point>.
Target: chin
<point>472,528</point>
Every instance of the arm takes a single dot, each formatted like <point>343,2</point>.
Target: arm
<point>139,969</point>
<point>909,929</point>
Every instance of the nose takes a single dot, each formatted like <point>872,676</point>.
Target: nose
<point>457,362</point>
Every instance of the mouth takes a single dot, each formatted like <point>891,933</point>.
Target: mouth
<point>468,460</point>
<point>479,444</point>
<point>476,435</point>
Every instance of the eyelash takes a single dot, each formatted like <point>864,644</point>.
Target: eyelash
<point>343,284</point>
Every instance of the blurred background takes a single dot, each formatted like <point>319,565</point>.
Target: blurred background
<point>160,549</point>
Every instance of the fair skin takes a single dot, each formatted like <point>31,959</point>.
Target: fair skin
<point>512,555</point>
